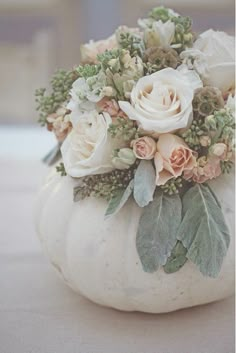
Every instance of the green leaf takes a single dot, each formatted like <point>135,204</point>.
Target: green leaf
<point>177,258</point>
<point>119,199</point>
<point>77,193</point>
<point>203,230</point>
<point>144,183</point>
<point>157,230</point>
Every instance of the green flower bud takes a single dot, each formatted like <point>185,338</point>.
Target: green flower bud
<point>123,158</point>
<point>210,122</point>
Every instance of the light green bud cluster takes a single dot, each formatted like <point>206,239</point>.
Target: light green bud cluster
<point>130,41</point>
<point>123,128</point>
<point>122,71</point>
<point>173,186</point>
<point>193,135</point>
<point>123,158</point>
<point>61,169</point>
<point>104,185</point>
<point>61,84</point>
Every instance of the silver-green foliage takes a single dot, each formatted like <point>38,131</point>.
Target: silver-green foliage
<point>177,258</point>
<point>203,230</point>
<point>144,183</point>
<point>119,200</point>
<point>157,230</point>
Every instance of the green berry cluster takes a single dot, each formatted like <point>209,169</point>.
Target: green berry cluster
<point>61,84</point>
<point>172,186</point>
<point>88,70</point>
<point>61,169</point>
<point>123,128</point>
<point>193,134</point>
<point>104,185</point>
<point>184,36</point>
<point>183,33</point>
<point>221,124</point>
<point>106,57</point>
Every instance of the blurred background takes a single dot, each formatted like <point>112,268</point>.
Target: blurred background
<point>39,36</point>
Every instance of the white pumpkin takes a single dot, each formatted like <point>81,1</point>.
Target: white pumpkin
<point>98,257</point>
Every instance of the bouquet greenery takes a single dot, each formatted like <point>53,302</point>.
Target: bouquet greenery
<point>149,114</point>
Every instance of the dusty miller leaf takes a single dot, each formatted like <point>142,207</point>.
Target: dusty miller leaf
<point>144,183</point>
<point>119,199</point>
<point>77,193</point>
<point>157,230</point>
<point>203,230</point>
<point>177,258</point>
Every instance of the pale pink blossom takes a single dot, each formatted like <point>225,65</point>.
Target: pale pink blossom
<point>144,147</point>
<point>206,169</point>
<point>89,51</point>
<point>219,150</point>
<point>110,106</point>
<point>205,141</point>
<point>173,158</point>
<point>59,123</point>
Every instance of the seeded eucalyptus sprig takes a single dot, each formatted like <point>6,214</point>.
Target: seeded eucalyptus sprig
<point>88,70</point>
<point>61,169</point>
<point>132,42</point>
<point>193,135</point>
<point>184,36</point>
<point>104,185</point>
<point>173,186</point>
<point>61,84</point>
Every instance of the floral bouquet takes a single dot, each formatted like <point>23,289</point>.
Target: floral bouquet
<point>149,116</point>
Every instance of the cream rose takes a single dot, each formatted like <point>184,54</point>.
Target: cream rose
<point>162,102</point>
<point>89,51</point>
<point>219,53</point>
<point>87,149</point>
<point>144,147</point>
<point>173,157</point>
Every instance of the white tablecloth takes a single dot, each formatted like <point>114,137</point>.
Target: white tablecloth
<point>39,314</point>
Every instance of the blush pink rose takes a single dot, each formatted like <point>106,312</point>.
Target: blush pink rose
<point>110,106</point>
<point>206,169</point>
<point>144,147</point>
<point>173,157</point>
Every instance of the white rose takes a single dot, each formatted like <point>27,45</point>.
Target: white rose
<point>219,53</point>
<point>87,149</point>
<point>162,102</point>
<point>160,34</point>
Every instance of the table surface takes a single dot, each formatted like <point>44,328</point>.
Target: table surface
<point>39,314</point>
